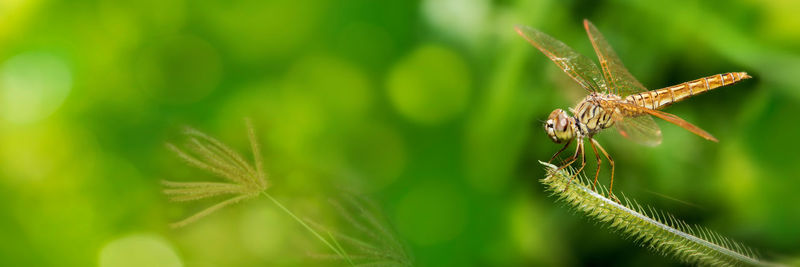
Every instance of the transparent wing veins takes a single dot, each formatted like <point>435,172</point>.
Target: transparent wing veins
<point>618,78</point>
<point>641,129</point>
<point>578,67</point>
<point>671,118</point>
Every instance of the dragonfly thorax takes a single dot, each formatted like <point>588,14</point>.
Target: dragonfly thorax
<point>592,115</point>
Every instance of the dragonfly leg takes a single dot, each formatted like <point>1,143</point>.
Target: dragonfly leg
<point>571,159</point>
<point>611,162</point>
<point>583,160</point>
<point>578,150</point>
<point>559,151</point>
<point>599,164</point>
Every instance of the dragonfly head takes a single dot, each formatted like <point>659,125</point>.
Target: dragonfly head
<point>560,127</point>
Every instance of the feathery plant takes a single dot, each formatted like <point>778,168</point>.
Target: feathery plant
<point>243,180</point>
<point>649,227</point>
<point>373,243</point>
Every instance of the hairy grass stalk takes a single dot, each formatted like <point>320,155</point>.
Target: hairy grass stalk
<point>659,231</point>
<point>242,180</point>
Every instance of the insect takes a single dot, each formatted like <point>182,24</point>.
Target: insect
<point>615,98</point>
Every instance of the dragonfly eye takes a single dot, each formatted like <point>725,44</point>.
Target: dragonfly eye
<point>562,124</point>
<point>559,126</point>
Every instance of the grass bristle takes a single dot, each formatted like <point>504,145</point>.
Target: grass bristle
<point>648,227</point>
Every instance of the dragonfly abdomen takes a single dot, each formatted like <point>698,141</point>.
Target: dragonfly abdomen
<point>661,98</point>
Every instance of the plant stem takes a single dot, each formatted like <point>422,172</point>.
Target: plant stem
<point>347,257</point>
<point>301,222</point>
<point>656,230</point>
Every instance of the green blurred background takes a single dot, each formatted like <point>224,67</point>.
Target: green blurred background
<point>431,108</point>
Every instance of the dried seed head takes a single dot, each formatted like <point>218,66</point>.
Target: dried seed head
<point>242,179</point>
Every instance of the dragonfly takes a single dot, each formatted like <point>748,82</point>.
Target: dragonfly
<point>615,98</point>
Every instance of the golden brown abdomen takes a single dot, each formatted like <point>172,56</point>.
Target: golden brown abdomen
<point>661,98</point>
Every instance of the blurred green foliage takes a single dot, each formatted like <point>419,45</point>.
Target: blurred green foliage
<point>432,108</point>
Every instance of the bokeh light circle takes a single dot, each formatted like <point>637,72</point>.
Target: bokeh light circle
<point>463,19</point>
<point>32,86</point>
<point>430,86</point>
<point>139,250</point>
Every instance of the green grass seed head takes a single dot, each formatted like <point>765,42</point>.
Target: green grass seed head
<point>648,227</point>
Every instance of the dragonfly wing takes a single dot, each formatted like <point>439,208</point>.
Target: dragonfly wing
<point>621,82</point>
<point>640,129</point>
<point>578,67</point>
<point>661,115</point>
